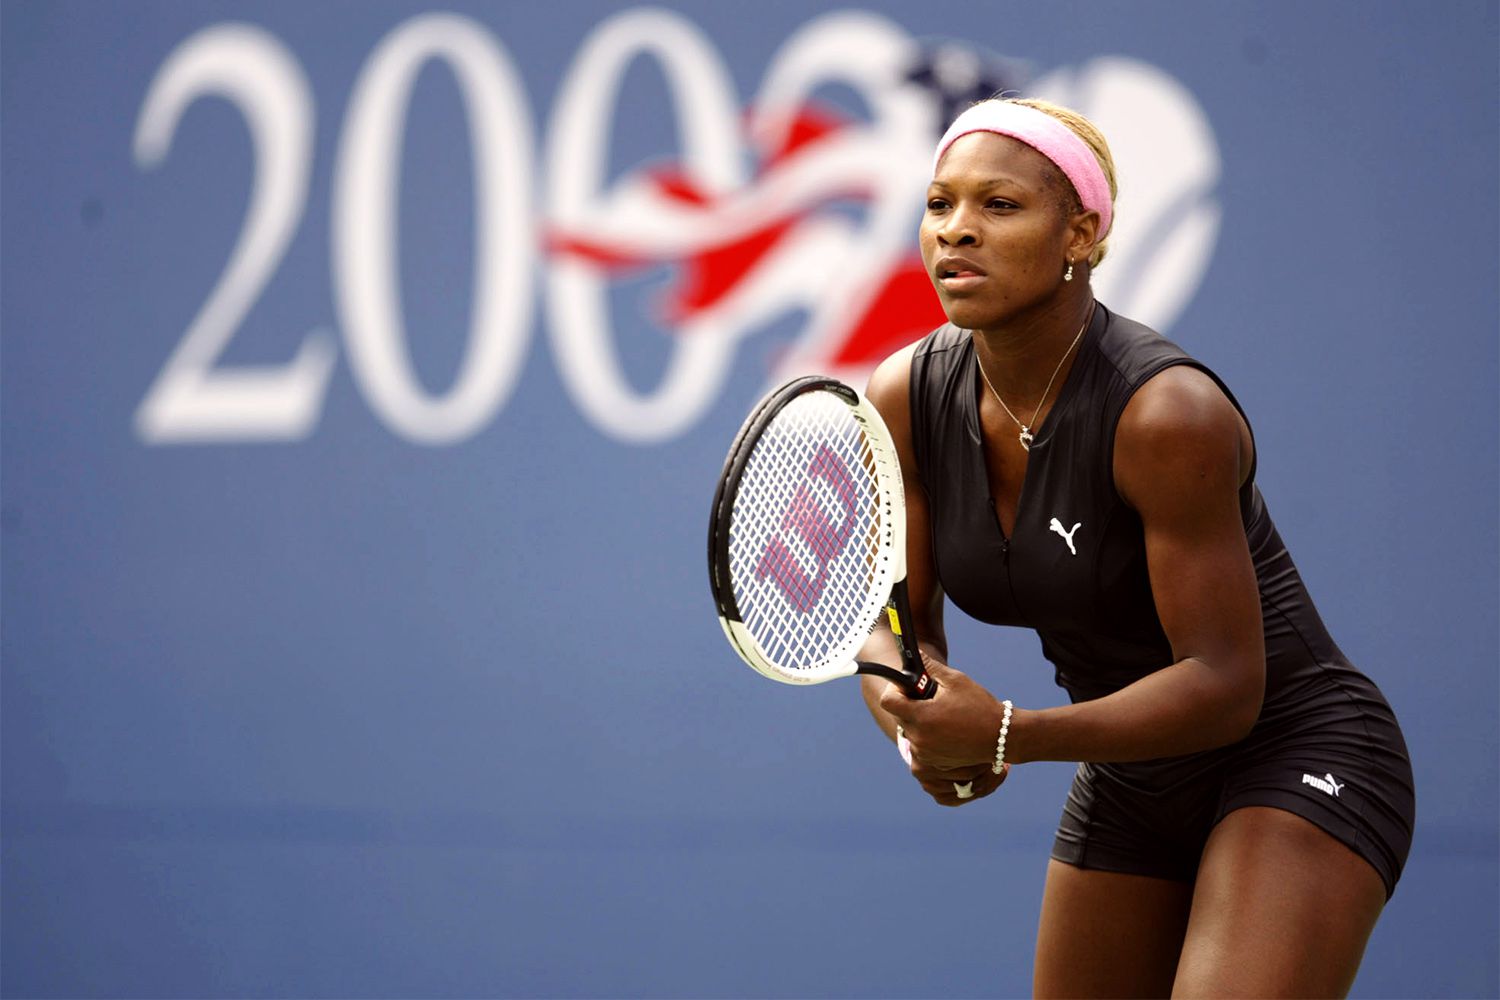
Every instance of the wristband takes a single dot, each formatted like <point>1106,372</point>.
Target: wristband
<point>999,764</point>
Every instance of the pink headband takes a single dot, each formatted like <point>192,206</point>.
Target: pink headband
<point>1047,136</point>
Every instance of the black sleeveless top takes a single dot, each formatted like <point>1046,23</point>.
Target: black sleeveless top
<point>1074,568</point>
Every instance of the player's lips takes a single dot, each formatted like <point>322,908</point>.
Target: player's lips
<point>957,274</point>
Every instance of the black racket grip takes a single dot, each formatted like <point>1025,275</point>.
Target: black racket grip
<point>915,679</point>
<point>921,687</point>
<point>918,687</point>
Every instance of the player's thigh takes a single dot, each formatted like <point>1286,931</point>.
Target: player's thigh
<point>1280,909</point>
<point>1106,934</point>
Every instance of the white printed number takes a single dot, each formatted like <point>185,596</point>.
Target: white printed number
<point>195,398</point>
<point>192,398</point>
<point>364,229</point>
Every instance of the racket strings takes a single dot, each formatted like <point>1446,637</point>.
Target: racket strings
<point>805,543</point>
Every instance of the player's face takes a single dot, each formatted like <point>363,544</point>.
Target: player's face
<point>993,237</point>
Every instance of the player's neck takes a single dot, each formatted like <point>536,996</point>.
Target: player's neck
<point>1022,356</point>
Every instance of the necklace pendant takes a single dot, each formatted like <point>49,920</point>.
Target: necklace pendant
<point>1026,438</point>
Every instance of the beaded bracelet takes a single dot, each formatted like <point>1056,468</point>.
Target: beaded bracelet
<point>999,764</point>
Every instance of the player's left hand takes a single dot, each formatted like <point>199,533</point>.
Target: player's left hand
<point>944,785</point>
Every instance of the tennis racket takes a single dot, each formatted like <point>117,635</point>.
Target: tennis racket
<point>807,540</point>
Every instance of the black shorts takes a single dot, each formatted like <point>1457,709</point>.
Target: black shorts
<point>1336,761</point>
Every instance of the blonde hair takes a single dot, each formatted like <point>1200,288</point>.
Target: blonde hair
<point>1094,139</point>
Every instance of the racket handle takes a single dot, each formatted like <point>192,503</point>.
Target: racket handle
<point>914,676</point>
<point>918,688</point>
<point>921,687</point>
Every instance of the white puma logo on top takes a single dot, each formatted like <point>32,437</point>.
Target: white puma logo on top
<point>1067,536</point>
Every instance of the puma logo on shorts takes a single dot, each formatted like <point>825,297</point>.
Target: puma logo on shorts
<point>1325,784</point>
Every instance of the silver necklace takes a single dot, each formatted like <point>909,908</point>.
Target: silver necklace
<point>1026,436</point>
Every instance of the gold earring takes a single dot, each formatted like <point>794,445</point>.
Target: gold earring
<point>1068,274</point>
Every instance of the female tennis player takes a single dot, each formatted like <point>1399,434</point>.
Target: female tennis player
<point>1243,803</point>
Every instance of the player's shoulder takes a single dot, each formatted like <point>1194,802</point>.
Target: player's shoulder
<point>1176,406</point>
<point>1180,432</point>
<point>891,380</point>
<point>1166,390</point>
<point>1179,393</point>
<point>890,389</point>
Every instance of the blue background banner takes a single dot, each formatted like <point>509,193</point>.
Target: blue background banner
<point>366,372</point>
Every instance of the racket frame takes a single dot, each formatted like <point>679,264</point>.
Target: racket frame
<point>911,675</point>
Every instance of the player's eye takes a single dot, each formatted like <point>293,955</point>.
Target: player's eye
<point>936,204</point>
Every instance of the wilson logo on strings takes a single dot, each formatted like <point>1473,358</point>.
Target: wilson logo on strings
<point>819,535</point>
